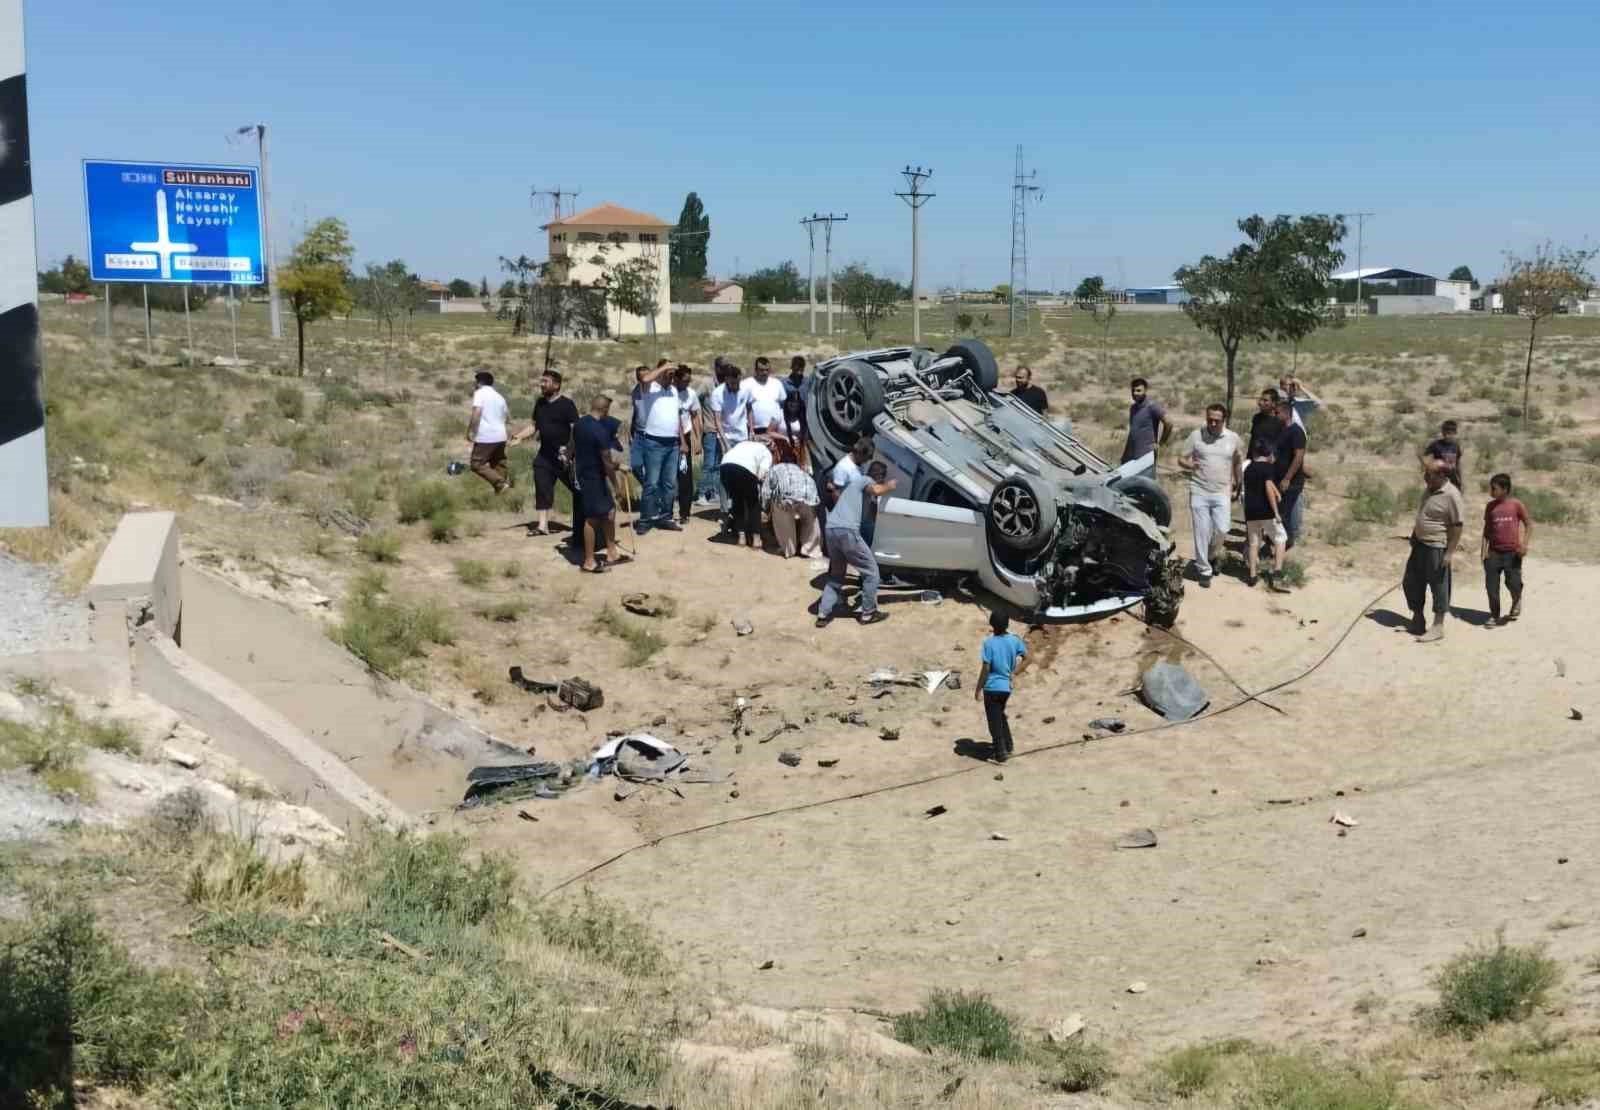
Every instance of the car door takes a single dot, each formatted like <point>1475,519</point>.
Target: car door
<point>917,535</point>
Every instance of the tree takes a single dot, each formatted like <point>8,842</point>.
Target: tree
<point>483,288</point>
<point>635,288</point>
<point>1089,290</point>
<point>1002,292</point>
<point>315,283</point>
<point>781,283</point>
<point>690,240</point>
<point>751,311</point>
<point>687,291</point>
<point>1463,273</point>
<point>1539,285</point>
<point>1273,286</point>
<point>507,290</point>
<point>384,292</point>
<point>545,300</point>
<point>460,287</point>
<point>1103,312</point>
<point>869,298</point>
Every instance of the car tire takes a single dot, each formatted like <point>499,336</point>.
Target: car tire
<point>1147,494</point>
<point>1022,515</point>
<point>980,360</point>
<point>853,398</point>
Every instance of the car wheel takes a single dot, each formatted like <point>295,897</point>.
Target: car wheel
<point>1165,595</point>
<point>1148,495</point>
<point>980,360</point>
<point>1022,515</point>
<point>854,397</point>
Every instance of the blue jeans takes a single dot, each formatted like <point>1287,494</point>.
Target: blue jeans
<point>636,459</point>
<point>846,548</point>
<point>711,469</point>
<point>660,477</point>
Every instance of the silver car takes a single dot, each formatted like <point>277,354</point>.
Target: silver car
<point>987,487</point>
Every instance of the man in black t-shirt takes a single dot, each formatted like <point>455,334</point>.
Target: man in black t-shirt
<point>1265,427</point>
<point>1290,468</point>
<point>1028,393</point>
<point>1447,449</point>
<point>553,419</point>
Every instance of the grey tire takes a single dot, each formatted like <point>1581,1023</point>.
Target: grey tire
<point>853,398</point>
<point>980,360</point>
<point>1148,495</point>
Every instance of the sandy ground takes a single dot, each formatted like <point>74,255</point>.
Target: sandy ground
<point>1458,761</point>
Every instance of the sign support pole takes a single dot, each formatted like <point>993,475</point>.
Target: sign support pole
<point>149,347</point>
<point>187,327</point>
<point>108,312</point>
<point>233,315</point>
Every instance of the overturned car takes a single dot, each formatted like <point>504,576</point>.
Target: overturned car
<point>986,486</point>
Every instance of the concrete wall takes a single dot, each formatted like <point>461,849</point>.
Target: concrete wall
<point>451,308</point>
<point>1410,306</point>
<point>564,243</point>
<point>140,562</point>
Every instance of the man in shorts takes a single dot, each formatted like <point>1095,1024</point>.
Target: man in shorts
<point>554,417</point>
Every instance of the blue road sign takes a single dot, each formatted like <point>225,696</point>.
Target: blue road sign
<point>174,223</point>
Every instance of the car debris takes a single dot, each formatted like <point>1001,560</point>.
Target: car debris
<point>988,488</point>
<point>926,680</point>
<point>1172,692</point>
<point>1138,838</point>
<point>1108,724</point>
<point>789,759</point>
<point>787,726</point>
<point>576,692</point>
<point>935,811</point>
<point>827,763</point>
<point>742,626</point>
<point>641,605</point>
<point>1343,819</point>
<point>887,733</point>
<point>515,782</point>
<point>1574,714</point>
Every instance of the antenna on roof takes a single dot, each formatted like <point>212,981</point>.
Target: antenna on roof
<point>553,198</point>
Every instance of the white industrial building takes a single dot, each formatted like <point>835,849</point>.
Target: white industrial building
<point>1391,291</point>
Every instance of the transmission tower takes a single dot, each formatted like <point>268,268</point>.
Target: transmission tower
<point>1024,186</point>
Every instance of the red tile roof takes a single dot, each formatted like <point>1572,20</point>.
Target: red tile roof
<point>609,215</point>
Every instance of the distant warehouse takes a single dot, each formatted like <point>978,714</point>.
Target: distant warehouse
<point>1390,291</point>
<point>1157,294</point>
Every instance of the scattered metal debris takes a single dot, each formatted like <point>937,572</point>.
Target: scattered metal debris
<point>576,692</point>
<point>787,726</point>
<point>887,733</point>
<point>927,680</point>
<point>827,763</point>
<point>789,759</point>
<point>514,783</point>
<point>641,605</point>
<point>1574,715</point>
<point>1109,724</point>
<point>935,811</point>
<point>1138,838</point>
<point>742,626</point>
<point>1343,819</point>
<point>1172,692</point>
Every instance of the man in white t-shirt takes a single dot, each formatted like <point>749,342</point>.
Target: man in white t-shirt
<point>1214,458</point>
<point>765,396</point>
<point>486,431</point>
<point>660,437</point>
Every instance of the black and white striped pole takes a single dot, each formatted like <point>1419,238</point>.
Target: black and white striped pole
<point>24,492</point>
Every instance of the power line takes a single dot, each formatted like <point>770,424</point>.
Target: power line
<point>810,222</point>
<point>1361,228</point>
<point>915,198</point>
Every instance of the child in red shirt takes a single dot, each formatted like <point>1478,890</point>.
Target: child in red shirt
<point>1507,530</point>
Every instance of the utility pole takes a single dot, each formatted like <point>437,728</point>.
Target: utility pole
<point>827,223</point>
<point>260,130</point>
<point>811,269</point>
<point>915,198</point>
<point>1361,227</point>
<point>1023,184</point>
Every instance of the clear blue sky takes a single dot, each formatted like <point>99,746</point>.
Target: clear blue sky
<point>1468,127</point>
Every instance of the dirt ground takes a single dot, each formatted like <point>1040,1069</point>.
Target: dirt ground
<point>1471,788</point>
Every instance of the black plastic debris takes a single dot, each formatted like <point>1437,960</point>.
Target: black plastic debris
<point>576,692</point>
<point>1108,724</point>
<point>511,783</point>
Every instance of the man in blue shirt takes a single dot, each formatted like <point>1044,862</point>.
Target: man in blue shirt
<point>1005,657</point>
<point>847,548</point>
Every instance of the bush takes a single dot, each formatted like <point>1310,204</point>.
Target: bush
<point>1547,506</point>
<point>443,525</point>
<point>1591,450</point>
<point>1492,983</point>
<point>1344,531</point>
<point>1193,1070</point>
<point>75,1007</point>
<point>961,1023</point>
<point>380,547</point>
<point>603,932</point>
<point>1294,573</point>
<point>1543,457</point>
<point>384,633</point>
<point>1302,1082</point>
<point>415,882</point>
<point>421,501</point>
<point>290,401</point>
<point>472,572</point>
<point>504,612</point>
<point>1074,1065</point>
<point>1371,500</point>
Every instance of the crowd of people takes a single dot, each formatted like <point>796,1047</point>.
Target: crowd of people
<point>750,435</point>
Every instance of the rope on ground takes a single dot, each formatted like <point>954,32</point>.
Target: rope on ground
<point>941,776</point>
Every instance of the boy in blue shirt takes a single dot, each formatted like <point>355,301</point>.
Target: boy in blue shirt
<point>1004,658</point>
